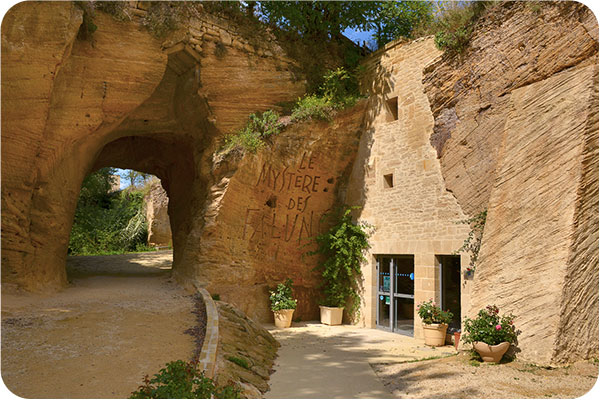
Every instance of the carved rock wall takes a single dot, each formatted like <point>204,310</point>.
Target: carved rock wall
<point>60,97</point>
<point>126,99</point>
<point>513,46</point>
<point>157,215</point>
<point>121,99</point>
<point>262,212</point>
<point>516,132</point>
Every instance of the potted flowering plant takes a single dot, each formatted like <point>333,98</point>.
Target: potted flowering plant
<point>435,322</point>
<point>490,333</point>
<point>283,304</point>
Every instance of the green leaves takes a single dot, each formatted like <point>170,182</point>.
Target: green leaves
<point>489,327</point>
<point>181,380</point>
<point>430,313</point>
<point>252,137</point>
<point>472,243</point>
<point>281,298</point>
<point>342,246</point>
<point>107,222</point>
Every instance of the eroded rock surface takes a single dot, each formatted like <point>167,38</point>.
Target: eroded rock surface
<point>514,45</point>
<point>157,216</point>
<point>516,129</point>
<point>246,352</point>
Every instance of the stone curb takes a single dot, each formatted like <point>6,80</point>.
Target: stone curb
<point>208,355</point>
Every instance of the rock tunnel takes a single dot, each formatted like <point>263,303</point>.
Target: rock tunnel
<point>123,98</point>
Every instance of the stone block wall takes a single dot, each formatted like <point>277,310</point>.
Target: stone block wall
<point>416,216</point>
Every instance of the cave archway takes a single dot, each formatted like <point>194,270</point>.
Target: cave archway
<point>169,158</point>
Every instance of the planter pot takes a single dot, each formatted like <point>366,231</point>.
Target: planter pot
<point>283,318</point>
<point>435,334</point>
<point>456,340</point>
<point>491,353</point>
<point>331,315</point>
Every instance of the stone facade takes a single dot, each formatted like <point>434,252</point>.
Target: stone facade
<point>398,181</point>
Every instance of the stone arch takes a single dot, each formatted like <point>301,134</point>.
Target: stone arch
<point>171,160</point>
<point>123,98</point>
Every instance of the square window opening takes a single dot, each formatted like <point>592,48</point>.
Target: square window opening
<point>393,108</point>
<point>388,181</point>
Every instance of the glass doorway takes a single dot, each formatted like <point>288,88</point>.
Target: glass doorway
<point>450,278</point>
<point>396,293</point>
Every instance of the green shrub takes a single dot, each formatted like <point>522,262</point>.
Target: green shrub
<point>338,90</point>
<point>343,247</point>
<point>489,327</point>
<point>181,380</point>
<point>281,298</point>
<point>430,313</point>
<point>454,23</point>
<point>313,106</point>
<point>252,137</point>
<point>472,243</point>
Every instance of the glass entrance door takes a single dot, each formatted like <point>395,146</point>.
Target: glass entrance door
<point>396,293</point>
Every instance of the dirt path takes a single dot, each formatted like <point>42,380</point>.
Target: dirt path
<point>459,377</point>
<point>121,318</point>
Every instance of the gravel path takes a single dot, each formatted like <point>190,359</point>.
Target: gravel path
<point>459,377</point>
<point>121,318</point>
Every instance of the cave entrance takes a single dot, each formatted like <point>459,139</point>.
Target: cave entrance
<point>118,213</point>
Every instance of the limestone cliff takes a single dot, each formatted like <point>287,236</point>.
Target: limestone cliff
<point>120,97</point>
<point>157,216</point>
<point>516,129</point>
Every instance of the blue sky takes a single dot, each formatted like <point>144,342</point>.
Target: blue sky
<point>360,37</point>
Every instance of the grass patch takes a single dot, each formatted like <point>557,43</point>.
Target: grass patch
<point>252,137</point>
<point>242,362</point>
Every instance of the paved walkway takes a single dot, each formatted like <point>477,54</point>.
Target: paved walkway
<point>320,361</point>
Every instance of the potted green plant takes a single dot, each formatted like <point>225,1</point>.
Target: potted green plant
<point>490,333</point>
<point>435,322</point>
<point>343,247</point>
<point>283,304</point>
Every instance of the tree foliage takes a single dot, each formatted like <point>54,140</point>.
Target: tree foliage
<point>107,221</point>
<point>317,19</point>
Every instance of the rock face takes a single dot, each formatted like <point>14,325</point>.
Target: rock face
<point>157,216</point>
<point>514,46</point>
<point>60,100</point>
<point>516,129</point>
<point>246,352</point>
<point>125,99</point>
<point>263,211</point>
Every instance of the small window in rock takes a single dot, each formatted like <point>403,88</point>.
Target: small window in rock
<point>393,108</point>
<point>388,181</point>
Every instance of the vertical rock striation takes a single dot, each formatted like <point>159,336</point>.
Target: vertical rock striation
<point>516,133</point>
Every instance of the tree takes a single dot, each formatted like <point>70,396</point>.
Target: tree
<point>136,178</point>
<point>321,19</point>
<point>399,19</point>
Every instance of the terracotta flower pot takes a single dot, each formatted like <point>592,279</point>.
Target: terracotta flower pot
<point>456,340</point>
<point>283,318</point>
<point>435,334</point>
<point>491,353</point>
<point>331,315</point>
